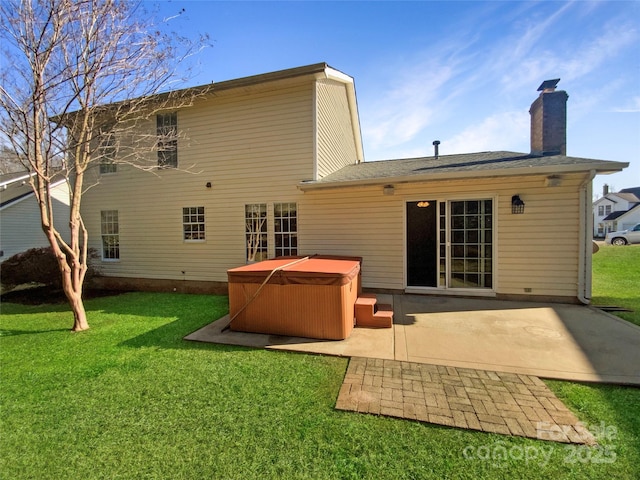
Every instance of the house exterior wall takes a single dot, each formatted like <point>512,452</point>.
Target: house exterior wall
<point>599,227</point>
<point>335,142</point>
<point>624,222</point>
<point>253,144</point>
<point>614,203</point>
<point>20,227</point>
<point>535,252</point>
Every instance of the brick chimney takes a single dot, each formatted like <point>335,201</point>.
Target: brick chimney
<point>549,120</point>
<point>605,190</point>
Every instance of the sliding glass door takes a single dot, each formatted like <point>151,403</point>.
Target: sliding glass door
<point>450,244</point>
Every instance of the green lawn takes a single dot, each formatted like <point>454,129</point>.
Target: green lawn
<point>616,279</point>
<point>129,399</point>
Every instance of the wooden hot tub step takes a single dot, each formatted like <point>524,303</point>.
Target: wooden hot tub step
<point>372,315</point>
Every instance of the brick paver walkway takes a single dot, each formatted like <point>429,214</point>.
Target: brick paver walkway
<point>482,400</point>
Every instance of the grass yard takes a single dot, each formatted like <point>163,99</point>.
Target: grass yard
<point>129,399</point>
<point>616,279</point>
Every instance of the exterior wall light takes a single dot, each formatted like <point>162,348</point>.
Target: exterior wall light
<point>517,205</point>
<point>553,181</point>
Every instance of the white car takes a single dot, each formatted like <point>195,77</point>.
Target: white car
<point>624,237</point>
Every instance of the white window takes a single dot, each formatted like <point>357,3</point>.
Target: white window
<point>167,132</point>
<point>285,218</point>
<point>110,232</point>
<point>607,209</point>
<point>600,210</point>
<point>193,224</point>
<point>107,154</point>
<point>255,216</point>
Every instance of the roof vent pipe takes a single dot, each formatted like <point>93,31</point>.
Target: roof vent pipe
<point>436,143</point>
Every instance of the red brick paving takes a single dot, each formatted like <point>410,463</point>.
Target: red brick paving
<point>482,400</point>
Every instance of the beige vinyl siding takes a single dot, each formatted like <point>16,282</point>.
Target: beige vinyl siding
<point>536,250</point>
<point>356,222</point>
<point>20,227</point>
<point>335,141</point>
<point>253,144</point>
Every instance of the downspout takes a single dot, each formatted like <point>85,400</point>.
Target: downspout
<point>585,243</point>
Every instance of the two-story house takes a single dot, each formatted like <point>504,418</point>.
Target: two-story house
<point>280,171</point>
<point>616,211</point>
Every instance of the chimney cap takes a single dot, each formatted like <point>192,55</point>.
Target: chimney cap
<point>548,85</point>
<point>436,142</point>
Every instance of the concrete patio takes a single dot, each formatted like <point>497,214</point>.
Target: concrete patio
<point>568,342</point>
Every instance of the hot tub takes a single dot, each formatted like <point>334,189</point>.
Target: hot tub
<point>310,297</point>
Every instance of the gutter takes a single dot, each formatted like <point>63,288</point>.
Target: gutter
<point>26,176</point>
<point>18,199</point>
<point>461,174</point>
<point>585,253</point>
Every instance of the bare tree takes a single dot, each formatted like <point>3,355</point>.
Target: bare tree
<point>78,80</point>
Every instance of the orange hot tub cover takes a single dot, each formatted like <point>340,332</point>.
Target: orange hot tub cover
<point>308,297</point>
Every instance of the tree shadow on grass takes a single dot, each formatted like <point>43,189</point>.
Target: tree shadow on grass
<point>171,336</point>
<point>13,333</point>
<point>188,314</point>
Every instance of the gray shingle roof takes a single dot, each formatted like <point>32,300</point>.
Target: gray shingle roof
<point>618,214</point>
<point>467,165</point>
<point>629,197</point>
<point>634,190</point>
<point>614,215</point>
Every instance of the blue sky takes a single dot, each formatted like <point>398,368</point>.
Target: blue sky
<point>464,73</point>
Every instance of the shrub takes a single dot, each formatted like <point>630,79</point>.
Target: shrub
<point>36,265</point>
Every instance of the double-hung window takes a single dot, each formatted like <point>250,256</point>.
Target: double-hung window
<point>285,218</point>
<point>255,217</point>
<point>193,224</point>
<point>110,232</point>
<point>107,153</point>
<point>167,132</point>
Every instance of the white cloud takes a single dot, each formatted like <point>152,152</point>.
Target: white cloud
<point>632,107</point>
<point>476,74</point>
<point>601,49</point>
<point>407,108</point>
<point>501,131</point>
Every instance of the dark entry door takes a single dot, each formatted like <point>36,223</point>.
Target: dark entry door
<point>422,244</point>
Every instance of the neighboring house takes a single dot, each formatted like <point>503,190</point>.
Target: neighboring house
<point>281,172</point>
<point>20,227</point>
<point>616,211</point>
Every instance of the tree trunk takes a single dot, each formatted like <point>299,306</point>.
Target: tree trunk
<point>77,307</point>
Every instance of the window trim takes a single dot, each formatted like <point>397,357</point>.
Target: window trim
<point>187,212</point>
<point>262,249</point>
<point>167,139</point>
<point>107,152</point>
<point>445,290</point>
<point>285,251</point>
<point>116,235</point>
